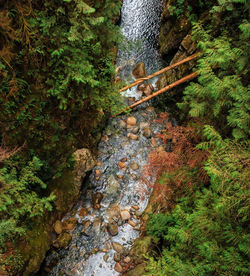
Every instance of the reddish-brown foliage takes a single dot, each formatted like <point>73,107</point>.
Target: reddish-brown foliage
<point>177,170</point>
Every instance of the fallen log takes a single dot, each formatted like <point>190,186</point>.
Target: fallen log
<point>159,72</point>
<point>166,88</point>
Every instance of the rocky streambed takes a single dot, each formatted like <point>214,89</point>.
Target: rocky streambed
<point>95,238</point>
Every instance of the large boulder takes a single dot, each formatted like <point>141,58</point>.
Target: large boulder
<point>139,71</point>
<point>67,187</point>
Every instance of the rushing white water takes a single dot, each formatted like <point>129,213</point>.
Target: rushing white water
<point>140,20</point>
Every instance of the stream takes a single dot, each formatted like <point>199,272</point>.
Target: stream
<point>108,212</point>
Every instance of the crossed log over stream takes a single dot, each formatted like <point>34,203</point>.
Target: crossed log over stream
<point>166,88</point>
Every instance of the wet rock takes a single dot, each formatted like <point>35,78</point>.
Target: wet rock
<point>64,239</point>
<point>98,173</point>
<point>141,87</point>
<point>113,211</point>
<point>117,257</point>
<point>121,165</point>
<point>138,213</point>
<point>125,215</point>
<point>139,71</point>
<point>99,164</point>
<point>124,159</point>
<point>84,162</point>
<point>86,223</point>
<point>123,124</point>
<point>69,224</point>
<point>134,130</point>
<point>127,259</point>
<point>105,138</point>
<point>113,185</point>
<point>118,268</point>
<point>134,166</point>
<point>132,136</point>
<point>144,125</point>
<point>118,247</point>
<point>105,258</point>
<point>112,229</point>
<point>83,212</point>
<point>58,227</point>
<point>96,200</point>
<point>131,121</point>
<point>147,132</point>
<point>134,176</point>
<point>132,223</point>
<point>148,90</point>
<point>137,228</point>
<point>120,176</point>
<point>135,207</point>
<point>97,224</point>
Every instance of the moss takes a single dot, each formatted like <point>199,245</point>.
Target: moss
<point>137,271</point>
<point>63,188</point>
<point>37,242</point>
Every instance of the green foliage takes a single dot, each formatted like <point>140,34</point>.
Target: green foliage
<point>207,234</point>
<point>19,201</point>
<point>58,81</point>
<point>222,92</point>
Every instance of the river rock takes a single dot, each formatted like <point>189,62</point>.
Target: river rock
<point>134,166</point>
<point>135,129</point>
<point>148,89</point>
<point>113,185</point>
<point>141,87</point>
<point>83,212</point>
<point>132,136</point>
<point>86,223</point>
<point>112,229</point>
<point>131,121</point>
<point>122,124</point>
<point>125,215</point>
<point>121,165</point>
<point>132,223</point>
<point>105,258</point>
<point>69,224</point>
<point>118,247</point>
<point>139,71</point>
<point>96,200</point>
<point>134,176</point>
<point>135,207</point>
<point>117,257</point>
<point>99,163</point>
<point>84,162</point>
<point>58,227</point>
<point>98,173</point>
<point>147,132</point>
<point>97,224</point>
<point>64,239</point>
<point>118,268</point>
<point>144,125</point>
<point>113,211</point>
<point>127,259</point>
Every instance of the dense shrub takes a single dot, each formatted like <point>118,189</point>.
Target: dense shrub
<point>207,234</point>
